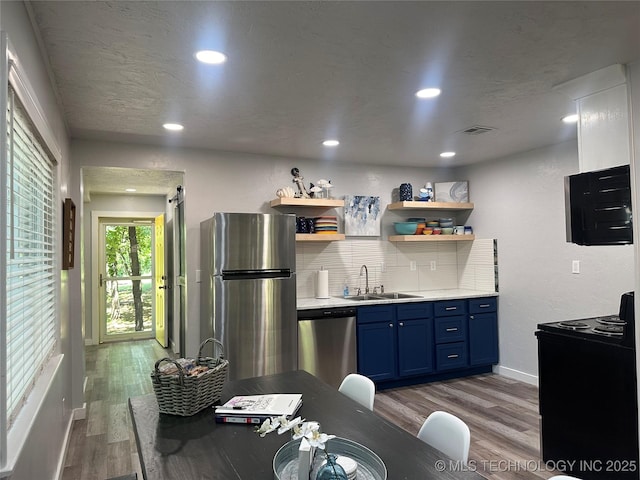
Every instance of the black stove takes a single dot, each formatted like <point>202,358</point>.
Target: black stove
<point>608,328</point>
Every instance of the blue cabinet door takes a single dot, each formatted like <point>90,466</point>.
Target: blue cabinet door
<point>415,347</point>
<point>377,350</point>
<point>483,338</point>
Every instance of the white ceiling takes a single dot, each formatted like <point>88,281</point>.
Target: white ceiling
<point>299,72</point>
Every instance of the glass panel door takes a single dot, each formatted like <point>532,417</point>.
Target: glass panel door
<point>127,281</point>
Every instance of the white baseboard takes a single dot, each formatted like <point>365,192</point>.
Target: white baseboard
<point>88,342</point>
<point>63,455</point>
<point>516,375</point>
<point>80,413</point>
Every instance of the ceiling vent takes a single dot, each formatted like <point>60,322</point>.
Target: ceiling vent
<point>476,130</point>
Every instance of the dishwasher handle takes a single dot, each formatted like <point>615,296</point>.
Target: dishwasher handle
<point>320,313</point>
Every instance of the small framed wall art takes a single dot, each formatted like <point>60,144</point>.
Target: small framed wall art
<point>68,233</point>
<point>362,216</point>
<point>456,192</point>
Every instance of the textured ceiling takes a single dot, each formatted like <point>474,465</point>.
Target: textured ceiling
<point>113,180</point>
<point>300,72</point>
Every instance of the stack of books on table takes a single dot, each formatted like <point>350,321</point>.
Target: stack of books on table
<point>255,409</point>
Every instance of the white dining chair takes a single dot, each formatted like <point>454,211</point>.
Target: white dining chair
<point>563,477</point>
<point>359,388</point>
<point>447,433</point>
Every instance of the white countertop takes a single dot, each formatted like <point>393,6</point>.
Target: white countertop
<point>427,295</point>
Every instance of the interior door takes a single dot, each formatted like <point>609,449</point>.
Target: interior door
<point>162,333</point>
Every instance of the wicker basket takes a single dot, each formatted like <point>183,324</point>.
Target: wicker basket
<point>186,395</point>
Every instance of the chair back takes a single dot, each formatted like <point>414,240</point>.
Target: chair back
<point>563,477</point>
<point>359,388</point>
<point>448,434</point>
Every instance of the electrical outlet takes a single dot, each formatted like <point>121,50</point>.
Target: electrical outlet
<point>383,267</point>
<point>412,265</point>
<point>575,266</point>
<point>433,265</point>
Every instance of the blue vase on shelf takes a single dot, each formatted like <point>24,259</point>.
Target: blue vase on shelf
<point>331,470</point>
<point>406,192</point>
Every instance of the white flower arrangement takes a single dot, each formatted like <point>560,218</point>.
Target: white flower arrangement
<point>301,429</point>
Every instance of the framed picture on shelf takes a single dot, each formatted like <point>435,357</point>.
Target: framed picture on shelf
<point>456,192</point>
<point>68,233</point>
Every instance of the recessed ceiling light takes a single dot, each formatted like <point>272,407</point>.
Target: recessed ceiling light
<point>331,143</point>
<point>130,190</point>
<point>428,93</point>
<point>175,127</point>
<point>573,118</point>
<point>448,154</point>
<point>211,57</point>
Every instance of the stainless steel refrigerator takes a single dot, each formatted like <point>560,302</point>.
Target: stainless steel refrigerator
<point>248,291</point>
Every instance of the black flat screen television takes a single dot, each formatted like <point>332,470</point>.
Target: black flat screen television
<point>598,207</point>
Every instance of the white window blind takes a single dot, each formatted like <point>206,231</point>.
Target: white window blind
<point>31,233</point>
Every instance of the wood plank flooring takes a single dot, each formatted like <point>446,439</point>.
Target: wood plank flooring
<point>502,415</point>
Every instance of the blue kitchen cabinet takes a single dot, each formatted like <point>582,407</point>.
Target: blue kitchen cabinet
<point>395,341</point>
<point>483,331</point>
<point>415,347</point>
<point>377,342</point>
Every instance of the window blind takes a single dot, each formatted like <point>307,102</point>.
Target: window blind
<point>31,320</point>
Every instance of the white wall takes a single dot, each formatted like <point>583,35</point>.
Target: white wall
<point>520,202</point>
<point>41,456</point>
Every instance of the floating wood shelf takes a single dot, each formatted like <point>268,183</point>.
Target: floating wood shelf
<point>430,206</point>
<point>307,202</point>
<point>316,237</point>
<point>431,238</point>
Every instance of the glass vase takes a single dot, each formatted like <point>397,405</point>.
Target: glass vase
<point>331,470</point>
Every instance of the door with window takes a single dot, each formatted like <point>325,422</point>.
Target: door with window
<point>127,279</point>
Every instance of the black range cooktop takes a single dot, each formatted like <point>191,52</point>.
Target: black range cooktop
<point>608,328</point>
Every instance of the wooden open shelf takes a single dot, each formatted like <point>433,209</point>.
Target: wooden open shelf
<point>431,238</point>
<point>314,237</point>
<point>307,202</point>
<point>430,206</point>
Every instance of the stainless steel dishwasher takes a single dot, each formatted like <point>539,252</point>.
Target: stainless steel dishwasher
<point>327,343</point>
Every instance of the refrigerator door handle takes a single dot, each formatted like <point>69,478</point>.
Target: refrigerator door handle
<point>251,274</point>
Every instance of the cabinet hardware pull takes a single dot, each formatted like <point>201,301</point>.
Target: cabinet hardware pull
<point>471,317</point>
<point>452,356</point>
<point>452,329</point>
<point>391,324</point>
<point>484,305</point>
<point>450,308</point>
<point>402,324</point>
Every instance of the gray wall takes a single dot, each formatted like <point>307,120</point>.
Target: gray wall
<point>46,441</point>
<point>520,201</point>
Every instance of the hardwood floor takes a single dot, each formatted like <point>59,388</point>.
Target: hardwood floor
<point>103,445</point>
<point>502,415</point>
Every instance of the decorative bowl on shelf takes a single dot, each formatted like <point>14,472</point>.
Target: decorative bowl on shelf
<point>447,230</point>
<point>405,228</point>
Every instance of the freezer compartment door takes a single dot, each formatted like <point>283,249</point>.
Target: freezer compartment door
<point>255,319</point>
<point>248,241</point>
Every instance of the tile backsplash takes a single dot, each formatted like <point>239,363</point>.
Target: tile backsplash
<point>436,265</point>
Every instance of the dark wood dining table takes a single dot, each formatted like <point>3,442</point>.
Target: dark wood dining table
<point>183,448</point>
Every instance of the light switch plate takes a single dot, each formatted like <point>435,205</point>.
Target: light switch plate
<point>412,265</point>
<point>575,266</point>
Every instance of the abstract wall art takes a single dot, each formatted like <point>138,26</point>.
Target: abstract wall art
<point>362,216</point>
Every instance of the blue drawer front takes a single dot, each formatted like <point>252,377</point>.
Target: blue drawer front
<point>451,329</point>
<point>409,311</point>
<point>381,313</point>
<point>450,307</point>
<point>480,305</point>
<point>451,355</point>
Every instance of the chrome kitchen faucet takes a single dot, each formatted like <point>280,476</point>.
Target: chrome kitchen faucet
<point>366,282</point>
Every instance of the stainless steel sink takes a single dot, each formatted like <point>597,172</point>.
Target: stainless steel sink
<point>381,296</point>
<point>360,298</point>
<point>396,295</point>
